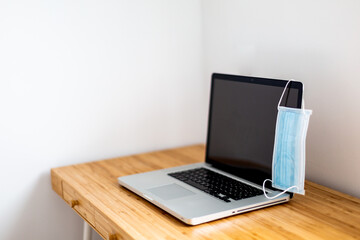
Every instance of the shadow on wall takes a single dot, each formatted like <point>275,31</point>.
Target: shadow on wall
<point>45,216</point>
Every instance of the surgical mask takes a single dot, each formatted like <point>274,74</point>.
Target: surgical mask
<point>288,166</point>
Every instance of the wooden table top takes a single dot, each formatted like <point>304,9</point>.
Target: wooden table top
<point>92,190</point>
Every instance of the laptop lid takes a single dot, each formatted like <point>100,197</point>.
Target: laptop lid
<point>242,119</point>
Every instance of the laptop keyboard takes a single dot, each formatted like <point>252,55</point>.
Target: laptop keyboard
<point>216,184</point>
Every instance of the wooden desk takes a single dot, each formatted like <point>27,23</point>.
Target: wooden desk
<point>116,213</point>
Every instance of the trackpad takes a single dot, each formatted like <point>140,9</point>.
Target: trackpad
<point>171,191</point>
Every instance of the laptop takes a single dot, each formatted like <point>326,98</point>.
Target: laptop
<point>239,149</point>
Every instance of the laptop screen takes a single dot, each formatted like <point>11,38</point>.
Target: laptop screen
<point>242,121</point>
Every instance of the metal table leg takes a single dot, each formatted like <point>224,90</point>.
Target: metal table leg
<point>87,231</point>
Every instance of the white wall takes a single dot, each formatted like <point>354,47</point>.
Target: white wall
<point>316,42</point>
<point>87,80</point>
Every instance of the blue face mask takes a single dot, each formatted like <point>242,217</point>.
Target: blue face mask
<point>288,167</point>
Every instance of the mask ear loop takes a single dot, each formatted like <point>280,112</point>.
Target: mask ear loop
<point>283,93</point>
<point>277,194</point>
<point>303,101</point>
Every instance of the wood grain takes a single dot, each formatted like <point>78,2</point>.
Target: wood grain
<point>116,213</point>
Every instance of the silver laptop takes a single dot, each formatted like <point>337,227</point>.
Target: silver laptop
<point>238,159</point>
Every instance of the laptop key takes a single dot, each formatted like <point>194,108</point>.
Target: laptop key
<point>195,184</point>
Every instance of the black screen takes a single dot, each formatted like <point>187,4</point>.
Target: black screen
<point>242,121</point>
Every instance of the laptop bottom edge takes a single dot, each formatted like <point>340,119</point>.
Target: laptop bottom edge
<point>209,217</point>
